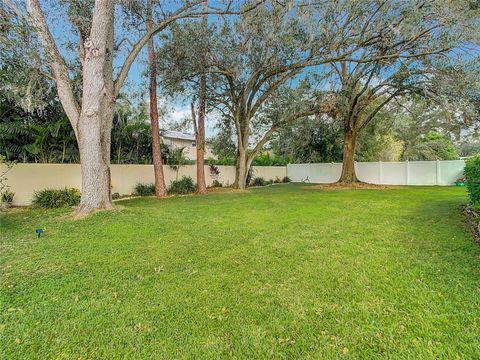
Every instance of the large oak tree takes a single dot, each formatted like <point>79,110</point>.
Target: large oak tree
<point>407,43</point>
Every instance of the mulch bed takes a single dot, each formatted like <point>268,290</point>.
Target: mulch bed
<point>472,218</point>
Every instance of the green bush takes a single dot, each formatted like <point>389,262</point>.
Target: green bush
<point>264,158</point>
<point>144,189</point>
<point>116,196</point>
<point>216,184</point>
<point>259,181</point>
<point>222,160</point>
<point>7,196</point>
<point>472,179</point>
<point>286,179</point>
<point>55,198</point>
<point>183,186</point>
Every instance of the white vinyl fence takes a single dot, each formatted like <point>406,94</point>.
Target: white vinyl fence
<point>387,173</point>
<point>25,179</point>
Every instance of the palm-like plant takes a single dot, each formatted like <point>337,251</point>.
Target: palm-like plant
<point>177,159</point>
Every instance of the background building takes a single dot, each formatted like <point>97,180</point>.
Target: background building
<point>187,141</point>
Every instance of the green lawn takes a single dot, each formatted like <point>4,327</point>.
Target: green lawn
<point>281,272</point>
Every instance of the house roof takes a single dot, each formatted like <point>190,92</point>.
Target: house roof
<point>177,135</point>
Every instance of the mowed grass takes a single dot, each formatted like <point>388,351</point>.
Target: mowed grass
<point>284,272</point>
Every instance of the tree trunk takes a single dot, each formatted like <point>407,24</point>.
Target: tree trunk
<point>96,117</point>
<point>160,188</point>
<point>348,165</point>
<point>94,160</point>
<point>200,156</point>
<point>241,170</point>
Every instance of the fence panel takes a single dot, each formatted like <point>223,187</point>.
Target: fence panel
<point>298,172</point>
<point>324,173</point>
<point>388,173</point>
<point>422,173</point>
<point>369,172</point>
<point>450,171</point>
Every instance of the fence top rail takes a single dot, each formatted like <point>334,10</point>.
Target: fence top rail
<point>384,162</point>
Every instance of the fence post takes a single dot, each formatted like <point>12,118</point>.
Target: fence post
<point>438,172</point>
<point>380,172</point>
<point>407,172</point>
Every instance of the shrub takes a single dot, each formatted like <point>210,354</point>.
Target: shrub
<point>259,181</point>
<point>472,177</point>
<point>144,189</point>
<point>277,180</point>
<point>214,172</point>
<point>216,183</point>
<point>55,198</point>
<point>222,160</point>
<point>286,179</point>
<point>7,165</point>
<point>115,196</point>
<point>7,196</point>
<point>183,186</point>
<point>265,158</point>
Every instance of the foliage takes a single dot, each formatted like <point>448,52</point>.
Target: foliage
<point>214,174</point>
<point>266,158</point>
<point>46,136</point>
<point>131,133</point>
<point>314,140</point>
<point>260,181</point>
<point>214,171</point>
<point>472,177</point>
<point>177,159</point>
<point>286,179</point>
<point>226,161</point>
<point>55,198</point>
<point>216,184</point>
<point>469,147</point>
<point>433,146</point>
<point>37,136</point>
<point>143,189</point>
<point>185,185</point>
<point>116,196</point>
<point>222,144</point>
<point>7,196</point>
<point>5,166</point>
<point>21,64</point>
<point>378,140</point>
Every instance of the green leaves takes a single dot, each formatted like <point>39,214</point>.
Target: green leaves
<point>472,176</point>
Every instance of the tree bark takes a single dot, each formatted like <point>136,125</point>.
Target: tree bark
<point>98,107</point>
<point>200,156</point>
<point>348,165</point>
<point>160,188</point>
<point>241,169</point>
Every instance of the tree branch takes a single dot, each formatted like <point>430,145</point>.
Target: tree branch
<point>57,63</point>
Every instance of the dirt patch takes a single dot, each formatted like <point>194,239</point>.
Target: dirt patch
<point>352,186</point>
<point>472,219</point>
